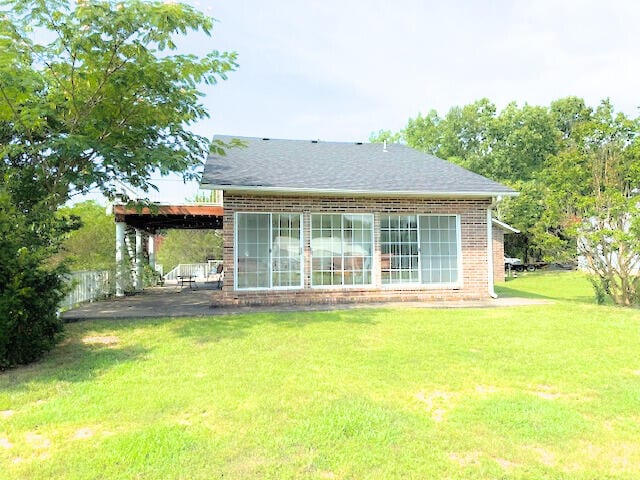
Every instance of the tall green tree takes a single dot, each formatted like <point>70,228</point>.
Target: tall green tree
<point>385,136</point>
<point>189,246</point>
<point>92,94</point>
<point>577,170</point>
<point>108,98</point>
<point>509,145</point>
<point>597,179</point>
<point>93,245</point>
<point>568,113</point>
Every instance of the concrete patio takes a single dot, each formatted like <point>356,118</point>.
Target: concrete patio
<point>172,301</point>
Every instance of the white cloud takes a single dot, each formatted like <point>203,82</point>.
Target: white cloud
<point>399,58</point>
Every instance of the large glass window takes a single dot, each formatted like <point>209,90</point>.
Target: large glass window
<point>399,249</point>
<point>252,250</point>
<point>268,250</point>
<point>439,249</point>
<point>419,249</point>
<point>286,256</point>
<point>342,249</point>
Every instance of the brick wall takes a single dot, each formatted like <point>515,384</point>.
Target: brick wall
<point>498,255</point>
<point>473,218</point>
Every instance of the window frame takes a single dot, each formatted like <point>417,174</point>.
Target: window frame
<point>341,286</point>
<point>420,284</point>
<point>235,252</point>
<point>417,283</point>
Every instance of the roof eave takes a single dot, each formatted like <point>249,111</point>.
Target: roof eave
<point>360,193</point>
<point>504,226</point>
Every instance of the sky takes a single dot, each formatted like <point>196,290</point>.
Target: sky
<point>340,70</point>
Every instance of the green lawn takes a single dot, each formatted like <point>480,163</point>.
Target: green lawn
<point>549,391</point>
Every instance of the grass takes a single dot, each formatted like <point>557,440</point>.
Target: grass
<point>547,391</point>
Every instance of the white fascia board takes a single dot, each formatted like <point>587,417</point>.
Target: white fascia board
<point>361,193</point>
<point>504,226</point>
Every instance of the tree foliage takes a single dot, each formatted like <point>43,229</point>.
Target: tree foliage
<point>107,100</point>
<point>93,245</point>
<point>92,94</point>
<point>29,289</point>
<point>577,170</point>
<point>189,246</point>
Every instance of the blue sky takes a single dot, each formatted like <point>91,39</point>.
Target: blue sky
<point>339,70</point>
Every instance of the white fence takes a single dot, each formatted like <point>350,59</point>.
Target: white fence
<point>87,286</point>
<point>201,271</point>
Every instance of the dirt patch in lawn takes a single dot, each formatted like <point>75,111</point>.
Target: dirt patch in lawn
<point>506,464</point>
<point>545,456</point>
<point>486,389</point>
<point>465,459</point>
<point>7,413</point>
<point>437,403</point>
<point>83,433</point>
<point>548,395</point>
<point>107,340</point>
<point>548,392</point>
<point>35,440</point>
<point>5,443</point>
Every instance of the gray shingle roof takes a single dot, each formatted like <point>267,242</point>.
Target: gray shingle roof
<point>340,167</point>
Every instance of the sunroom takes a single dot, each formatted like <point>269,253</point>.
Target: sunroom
<point>414,249</point>
<point>308,222</point>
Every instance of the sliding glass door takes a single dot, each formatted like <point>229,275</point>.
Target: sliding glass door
<point>268,250</point>
<point>421,249</point>
<point>341,249</point>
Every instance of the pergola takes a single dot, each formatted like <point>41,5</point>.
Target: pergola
<point>148,221</point>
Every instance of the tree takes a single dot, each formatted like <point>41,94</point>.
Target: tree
<point>569,112</point>
<point>189,246</point>
<point>521,141</point>
<point>509,146</point>
<point>30,290</point>
<point>609,236</point>
<point>462,136</point>
<point>107,99</point>
<point>385,136</point>
<point>577,170</point>
<point>93,245</point>
<point>103,99</point>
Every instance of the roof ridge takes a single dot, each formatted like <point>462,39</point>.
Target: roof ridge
<point>354,142</point>
<point>313,165</point>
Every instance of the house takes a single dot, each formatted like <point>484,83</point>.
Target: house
<point>328,222</point>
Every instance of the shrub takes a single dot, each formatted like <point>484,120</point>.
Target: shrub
<point>29,290</point>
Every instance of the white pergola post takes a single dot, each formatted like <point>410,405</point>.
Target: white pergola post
<point>151,248</point>
<point>138,283</point>
<point>120,233</point>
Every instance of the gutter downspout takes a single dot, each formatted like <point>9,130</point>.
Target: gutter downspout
<point>490,265</point>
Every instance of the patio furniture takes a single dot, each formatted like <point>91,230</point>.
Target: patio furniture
<point>188,280</point>
<point>220,273</point>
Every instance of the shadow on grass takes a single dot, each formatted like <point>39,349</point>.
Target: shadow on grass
<point>93,347</point>
<point>506,291</point>
<point>72,360</point>
<point>215,328</point>
<point>564,286</point>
